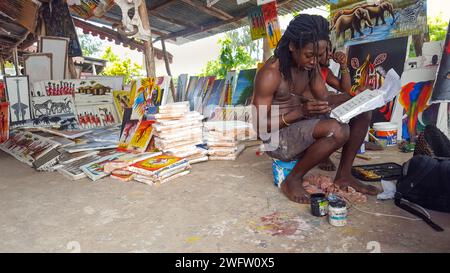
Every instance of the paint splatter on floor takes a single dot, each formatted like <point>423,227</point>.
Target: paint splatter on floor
<point>192,239</point>
<point>280,224</point>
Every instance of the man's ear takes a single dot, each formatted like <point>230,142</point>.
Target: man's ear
<point>291,47</point>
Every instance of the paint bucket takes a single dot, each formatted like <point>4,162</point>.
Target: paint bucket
<point>319,204</point>
<point>337,211</point>
<point>386,132</point>
<point>281,170</point>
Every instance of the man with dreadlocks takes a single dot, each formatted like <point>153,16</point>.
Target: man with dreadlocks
<point>291,82</point>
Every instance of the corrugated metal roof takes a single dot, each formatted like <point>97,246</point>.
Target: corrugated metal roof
<point>184,21</point>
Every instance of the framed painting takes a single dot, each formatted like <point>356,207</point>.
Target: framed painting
<point>58,47</point>
<point>17,92</point>
<point>38,67</point>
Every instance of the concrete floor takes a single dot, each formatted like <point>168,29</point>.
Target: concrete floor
<point>219,207</point>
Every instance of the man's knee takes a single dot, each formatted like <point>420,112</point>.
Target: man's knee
<point>340,132</point>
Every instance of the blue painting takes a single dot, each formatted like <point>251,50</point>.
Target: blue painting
<point>244,87</point>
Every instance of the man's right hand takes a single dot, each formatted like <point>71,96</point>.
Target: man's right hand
<point>316,107</point>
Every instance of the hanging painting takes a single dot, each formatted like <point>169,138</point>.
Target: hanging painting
<point>356,21</point>
<point>256,21</point>
<point>58,47</point>
<point>273,30</point>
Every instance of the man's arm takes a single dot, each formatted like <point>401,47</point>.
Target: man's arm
<point>267,82</point>
<point>320,92</point>
<point>345,83</point>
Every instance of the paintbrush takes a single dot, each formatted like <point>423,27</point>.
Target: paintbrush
<point>377,141</point>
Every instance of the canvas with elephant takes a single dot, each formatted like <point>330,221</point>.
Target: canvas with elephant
<point>356,21</point>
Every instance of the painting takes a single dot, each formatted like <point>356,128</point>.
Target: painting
<point>181,87</point>
<point>243,93</point>
<point>38,67</point>
<point>127,134</point>
<point>2,92</point>
<point>195,96</point>
<point>114,82</point>
<point>273,30</point>
<point>19,99</point>
<point>214,98</point>
<point>150,93</point>
<point>58,23</point>
<point>256,22</point>
<point>94,116</point>
<point>414,98</point>
<point>441,91</point>
<point>4,121</point>
<point>52,105</point>
<point>193,80</point>
<point>362,21</point>
<point>58,47</point>
<point>121,101</point>
<point>229,85</point>
<point>141,137</point>
<point>95,170</point>
<point>369,65</point>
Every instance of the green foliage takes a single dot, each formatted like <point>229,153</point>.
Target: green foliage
<point>89,45</point>
<point>118,67</point>
<point>237,52</point>
<point>437,28</point>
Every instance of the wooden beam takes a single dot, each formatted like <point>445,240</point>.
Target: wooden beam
<point>115,21</point>
<point>166,61</point>
<point>148,45</point>
<point>211,11</point>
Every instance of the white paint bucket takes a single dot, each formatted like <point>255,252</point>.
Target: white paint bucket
<point>386,132</point>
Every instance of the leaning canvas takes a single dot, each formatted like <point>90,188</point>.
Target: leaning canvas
<point>19,99</point>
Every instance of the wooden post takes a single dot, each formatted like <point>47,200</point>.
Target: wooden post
<point>166,61</point>
<point>148,45</point>
<point>267,52</point>
<point>16,61</point>
<point>72,71</point>
<point>2,66</point>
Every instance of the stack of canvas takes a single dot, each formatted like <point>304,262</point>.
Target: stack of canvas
<point>226,139</point>
<point>118,168</point>
<point>178,131</point>
<point>159,169</point>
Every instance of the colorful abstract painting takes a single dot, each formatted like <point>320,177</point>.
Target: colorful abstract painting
<point>244,87</point>
<point>362,21</point>
<point>369,64</point>
<point>414,98</point>
<point>4,121</point>
<point>256,21</point>
<point>148,94</point>
<point>441,91</point>
<point>273,30</point>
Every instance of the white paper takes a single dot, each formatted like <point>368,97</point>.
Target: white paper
<point>369,99</point>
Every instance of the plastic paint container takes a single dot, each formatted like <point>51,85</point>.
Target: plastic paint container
<point>337,212</point>
<point>386,132</point>
<point>319,204</point>
<point>281,170</point>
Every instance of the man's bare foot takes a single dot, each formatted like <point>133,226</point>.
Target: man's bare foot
<point>344,181</point>
<point>327,165</point>
<point>293,189</point>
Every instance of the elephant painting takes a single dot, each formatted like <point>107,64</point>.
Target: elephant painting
<point>377,11</point>
<point>351,21</point>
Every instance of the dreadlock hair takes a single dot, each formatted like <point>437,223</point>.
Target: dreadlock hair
<point>303,29</point>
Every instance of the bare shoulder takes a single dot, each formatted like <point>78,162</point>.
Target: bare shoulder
<point>268,77</point>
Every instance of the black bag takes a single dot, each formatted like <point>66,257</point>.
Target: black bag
<point>426,182</point>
